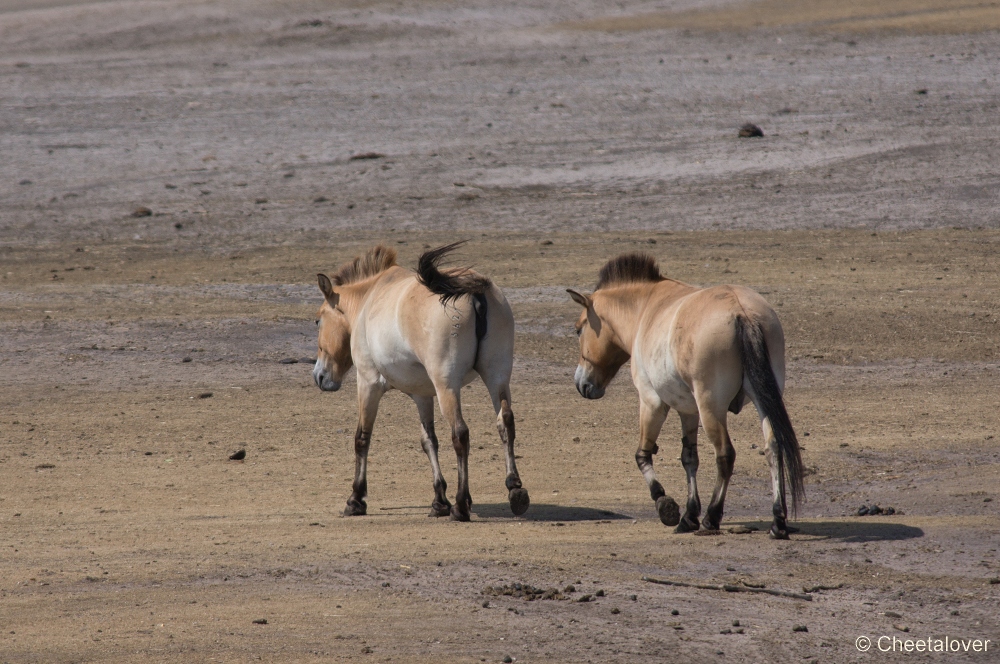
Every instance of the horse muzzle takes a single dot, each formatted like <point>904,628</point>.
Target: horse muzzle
<point>325,380</point>
<point>586,387</point>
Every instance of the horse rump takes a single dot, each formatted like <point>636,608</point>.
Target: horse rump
<point>452,284</point>
<point>767,397</point>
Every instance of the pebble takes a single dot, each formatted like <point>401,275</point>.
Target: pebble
<point>507,659</point>
<point>186,359</point>
<point>260,621</point>
<point>750,130</point>
<point>800,628</point>
<point>239,455</point>
<point>901,628</point>
<point>288,360</point>
<point>142,211</point>
<point>599,593</point>
<point>615,611</point>
<point>675,612</point>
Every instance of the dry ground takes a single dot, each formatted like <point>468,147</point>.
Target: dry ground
<point>867,216</point>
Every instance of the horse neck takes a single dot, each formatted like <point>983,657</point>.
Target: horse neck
<point>353,296</point>
<point>621,307</point>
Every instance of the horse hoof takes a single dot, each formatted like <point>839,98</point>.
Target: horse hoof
<point>687,525</point>
<point>459,515</point>
<point>355,509</point>
<point>438,509</point>
<point>778,533</point>
<point>519,501</point>
<point>670,513</point>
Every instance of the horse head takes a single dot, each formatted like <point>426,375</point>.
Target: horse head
<point>334,357</point>
<point>601,355</point>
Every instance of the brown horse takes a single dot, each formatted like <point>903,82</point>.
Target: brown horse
<point>426,333</point>
<point>703,352</point>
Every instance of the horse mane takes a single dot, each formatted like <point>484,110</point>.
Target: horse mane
<point>629,268</point>
<point>378,259</point>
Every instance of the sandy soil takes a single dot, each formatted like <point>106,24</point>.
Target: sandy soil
<point>177,172</point>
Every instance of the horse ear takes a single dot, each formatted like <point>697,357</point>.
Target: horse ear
<point>326,286</point>
<point>580,299</point>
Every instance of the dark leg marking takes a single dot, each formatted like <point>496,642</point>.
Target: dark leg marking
<point>692,512</point>
<point>356,505</point>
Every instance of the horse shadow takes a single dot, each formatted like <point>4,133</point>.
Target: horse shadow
<point>544,512</point>
<point>845,531</point>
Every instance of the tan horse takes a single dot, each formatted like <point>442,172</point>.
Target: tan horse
<point>426,333</point>
<point>703,352</point>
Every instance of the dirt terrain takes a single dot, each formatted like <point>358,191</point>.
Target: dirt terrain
<point>176,172</point>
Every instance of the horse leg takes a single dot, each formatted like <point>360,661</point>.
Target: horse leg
<point>651,418</point>
<point>429,441</point>
<point>725,457</point>
<point>516,495</point>
<point>780,528</point>
<point>368,400</point>
<point>689,459</point>
<point>451,408</point>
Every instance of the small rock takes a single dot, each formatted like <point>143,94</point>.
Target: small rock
<point>24,182</point>
<point>675,612</point>
<point>994,581</point>
<point>921,91</point>
<point>507,659</point>
<point>320,199</point>
<point>889,511</point>
<point>385,584</point>
<point>736,623</point>
<point>740,631</point>
<point>260,621</point>
<point>205,395</point>
<point>750,130</point>
<point>901,628</point>
<point>142,211</point>
<point>863,510</point>
<point>874,510</point>
<point>178,225</point>
<point>800,628</point>
<point>367,155</point>
<point>634,598</point>
<point>892,614</point>
<point>545,242</point>
<point>486,604</point>
<point>367,650</point>
<point>599,593</point>
<point>260,201</point>
<point>569,589</point>
<point>585,599</point>
<point>239,455</point>
<point>186,359</point>
<point>288,360</point>
<point>615,611</point>
<point>726,631</point>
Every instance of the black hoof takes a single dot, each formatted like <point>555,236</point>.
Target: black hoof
<point>670,513</point>
<point>459,514</point>
<point>778,533</point>
<point>440,509</point>
<point>354,508</point>
<point>688,524</point>
<point>519,501</point>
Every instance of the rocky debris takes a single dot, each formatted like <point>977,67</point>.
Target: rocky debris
<point>800,628</point>
<point>525,591</point>
<point>239,455</point>
<point>367,155</point>
<point>142,211</point>
<point>875,510</point>
<point>260,621</point>
<point>750,130</point>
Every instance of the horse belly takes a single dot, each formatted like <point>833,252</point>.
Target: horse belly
<point>408,377</point>
<point>675,393</point>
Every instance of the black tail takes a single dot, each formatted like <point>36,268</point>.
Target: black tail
<point>757,369</point>
<point>454,284</point>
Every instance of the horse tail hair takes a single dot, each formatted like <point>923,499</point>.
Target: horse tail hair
<point>767,397</point>
<point>453,283</point>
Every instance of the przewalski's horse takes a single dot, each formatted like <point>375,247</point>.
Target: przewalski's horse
<point>703,352</point>
<point>426,333</point>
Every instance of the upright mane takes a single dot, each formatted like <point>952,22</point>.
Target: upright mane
<point>378,259</point>
<point>629,268</point>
